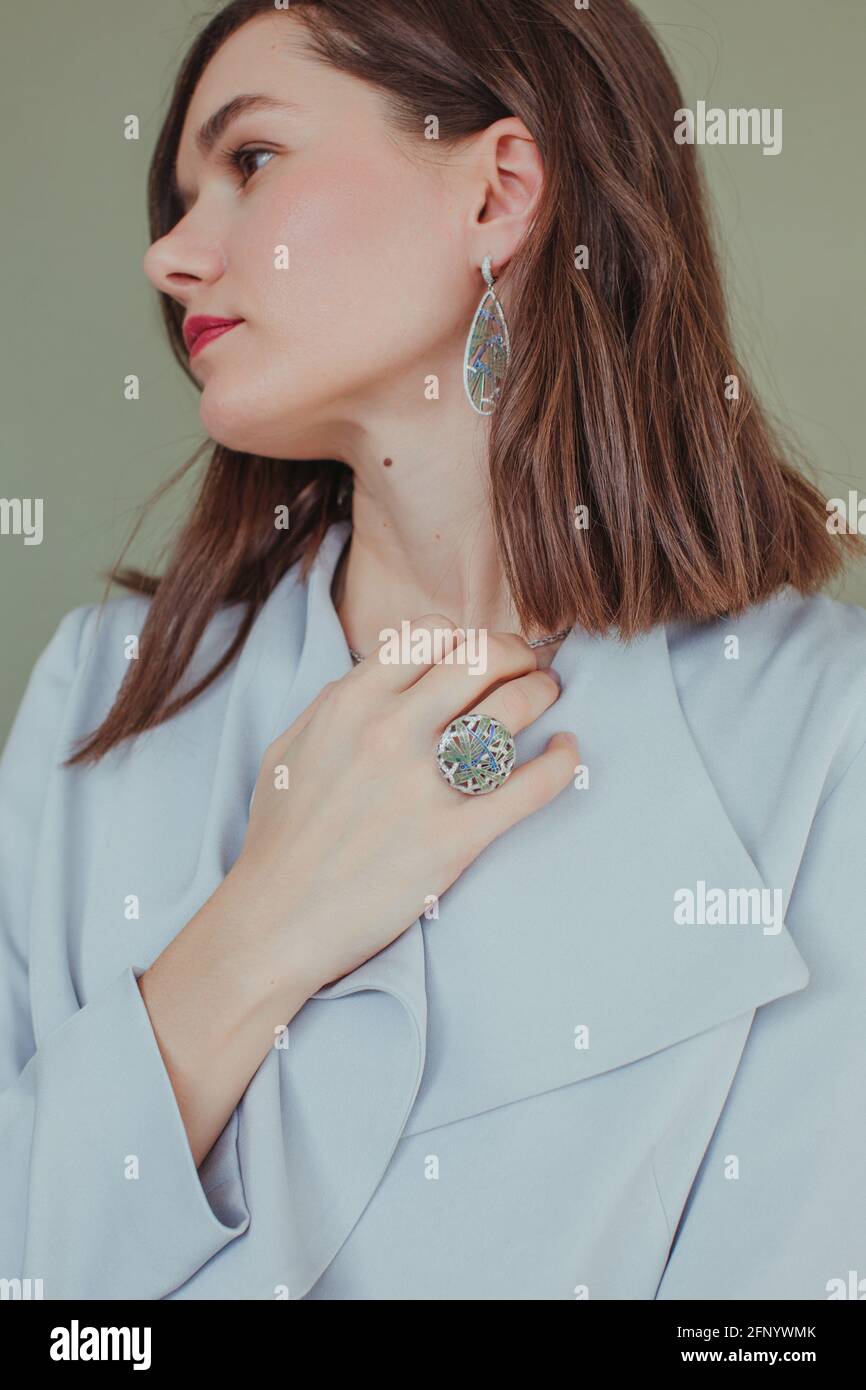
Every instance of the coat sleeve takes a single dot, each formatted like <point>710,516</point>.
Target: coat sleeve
<point>778,1208</point>
<point>99,1193</point>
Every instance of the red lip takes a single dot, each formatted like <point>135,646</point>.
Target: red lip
<point>201,329</point>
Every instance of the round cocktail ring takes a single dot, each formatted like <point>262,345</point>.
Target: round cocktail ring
<point>475,754</point>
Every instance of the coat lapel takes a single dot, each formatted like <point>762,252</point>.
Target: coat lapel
<point>567,921</point>
<point>564,923</point>
<point>347,1080</point>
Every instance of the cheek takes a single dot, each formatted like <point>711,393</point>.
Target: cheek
<point>370,251</point>
<point>375,287</point>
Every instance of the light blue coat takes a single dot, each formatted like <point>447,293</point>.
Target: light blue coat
<point>557,1089</point>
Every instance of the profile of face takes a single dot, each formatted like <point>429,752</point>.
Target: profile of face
<point>351,256</point>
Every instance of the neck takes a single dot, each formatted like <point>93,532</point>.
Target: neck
<point>422,537</point>
<point>387,575</point>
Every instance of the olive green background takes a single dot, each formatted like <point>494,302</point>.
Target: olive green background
<point>79,313</point>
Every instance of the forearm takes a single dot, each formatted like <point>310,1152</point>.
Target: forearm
<point>216,997</point>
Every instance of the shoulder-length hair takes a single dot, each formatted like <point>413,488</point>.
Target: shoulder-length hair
<point>617,397</point>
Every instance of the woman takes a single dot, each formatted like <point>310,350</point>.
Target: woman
<point>307,1000</point>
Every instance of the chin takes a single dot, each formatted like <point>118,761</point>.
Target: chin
<point>241,416</point>
<point>234,419</point>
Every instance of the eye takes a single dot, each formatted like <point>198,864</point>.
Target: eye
<point>236,160</point>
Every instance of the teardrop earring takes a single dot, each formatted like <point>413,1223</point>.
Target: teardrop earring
<point>487,349</point>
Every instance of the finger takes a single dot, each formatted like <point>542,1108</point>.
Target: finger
<point>452,687</point>
<point>398,662</point>
<point>529,787</point>
<point>519,702</point>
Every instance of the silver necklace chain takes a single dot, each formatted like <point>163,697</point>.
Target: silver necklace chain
<point>534,642</point>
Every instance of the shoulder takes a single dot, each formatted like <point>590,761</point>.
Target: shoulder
<point>78,672</point>
<point>784,681</point>
<point>109,636</point>
<point>83,639</point>
<point>786,631</point>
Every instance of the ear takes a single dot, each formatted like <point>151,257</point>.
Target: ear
<point>510,178</point>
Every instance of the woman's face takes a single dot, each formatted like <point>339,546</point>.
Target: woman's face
<point>380,284</point>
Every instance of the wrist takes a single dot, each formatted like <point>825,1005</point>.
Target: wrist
<point>262,936</point>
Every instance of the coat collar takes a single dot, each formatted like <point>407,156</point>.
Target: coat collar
<point>566,920</point>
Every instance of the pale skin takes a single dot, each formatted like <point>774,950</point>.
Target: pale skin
<point>386,237</point>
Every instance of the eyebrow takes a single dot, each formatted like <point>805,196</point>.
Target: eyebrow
<point>217,124</point>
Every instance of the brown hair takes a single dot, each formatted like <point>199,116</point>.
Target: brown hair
<point>615,393</point>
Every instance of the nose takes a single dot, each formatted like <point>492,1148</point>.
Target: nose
<point>182,260</point>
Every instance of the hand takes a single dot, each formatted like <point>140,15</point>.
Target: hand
<point>340,862</point>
